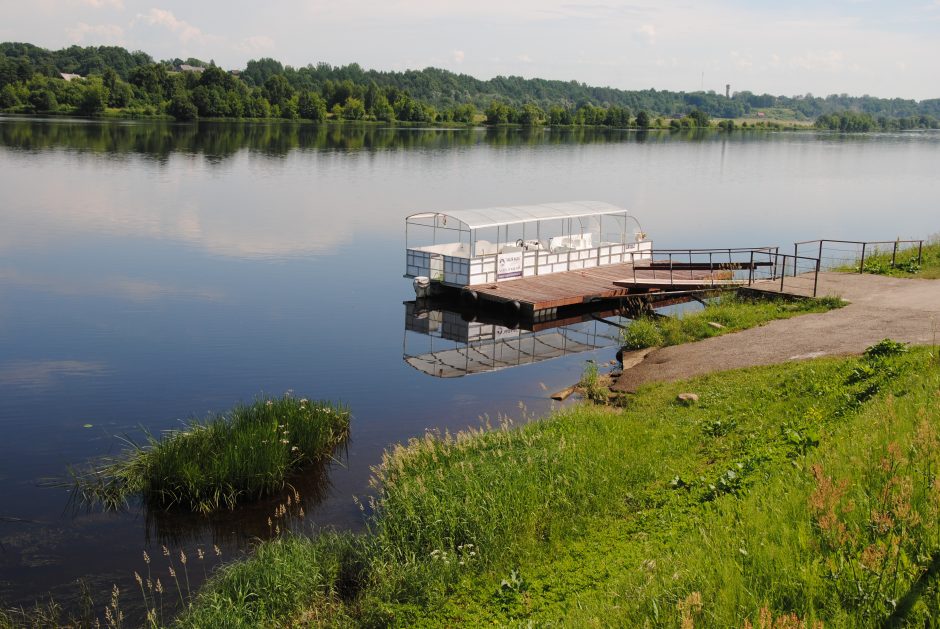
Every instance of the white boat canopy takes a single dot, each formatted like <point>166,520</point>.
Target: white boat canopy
<point>466,247</point>
<point>515,214</point>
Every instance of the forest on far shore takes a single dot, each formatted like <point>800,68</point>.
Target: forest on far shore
<point>110,79</point>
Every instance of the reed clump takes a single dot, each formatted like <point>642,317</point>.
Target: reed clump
<point>218,462</point>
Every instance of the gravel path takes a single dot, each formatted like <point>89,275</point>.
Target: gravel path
<point>880,307</point>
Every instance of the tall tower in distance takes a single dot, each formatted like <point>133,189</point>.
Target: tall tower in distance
<point>727,90</point>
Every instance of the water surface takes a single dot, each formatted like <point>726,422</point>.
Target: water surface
<point>150,272</point>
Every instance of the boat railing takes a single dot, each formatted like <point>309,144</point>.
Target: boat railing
<point>487,268</point>
<point>861,255</point>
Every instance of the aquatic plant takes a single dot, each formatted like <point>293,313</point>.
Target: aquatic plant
<point>591,386</point>
<point>216,463</point>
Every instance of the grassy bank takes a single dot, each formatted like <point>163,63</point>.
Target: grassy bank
<point>906,262</point>
<point>793,494</point>
<point>728,313</point>
<point>221,461</point>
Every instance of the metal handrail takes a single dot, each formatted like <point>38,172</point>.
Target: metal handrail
<point>864,244</point>
<point>755,256</point>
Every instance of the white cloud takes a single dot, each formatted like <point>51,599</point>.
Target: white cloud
<point>741,61</point>
<point>255,44</point>
<point>102,4</point>
<point>161,17</point>
<point>646,33</point>
<point>458,56</point>
<point>95,33</point>
<point>815,61</point>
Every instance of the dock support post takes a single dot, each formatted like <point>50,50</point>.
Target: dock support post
<point>783,273</point>
<point>820,251</point>
<point>796,252</point>
<point>920,250</point>
<point>894,254</point>
<point>816,278</point>
<point>750,270</point>
<point>861,265</point>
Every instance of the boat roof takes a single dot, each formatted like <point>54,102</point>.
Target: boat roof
<point>512,214</point>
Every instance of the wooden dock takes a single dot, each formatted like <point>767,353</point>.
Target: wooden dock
<point>545,294</point>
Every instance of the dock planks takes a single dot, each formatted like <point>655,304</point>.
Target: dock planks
<point>557,290</point>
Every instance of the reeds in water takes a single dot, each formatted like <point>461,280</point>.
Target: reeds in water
<point>219,462</point>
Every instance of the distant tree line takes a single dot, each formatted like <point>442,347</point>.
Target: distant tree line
<point>854,121</point>
<point>136,84</point>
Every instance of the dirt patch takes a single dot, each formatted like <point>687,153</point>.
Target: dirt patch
<point>880,307</point>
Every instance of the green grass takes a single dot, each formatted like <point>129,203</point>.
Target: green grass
<point>730,311</point>
<point>221,461</point>
<point>905,263</point>
<point>805,489</point>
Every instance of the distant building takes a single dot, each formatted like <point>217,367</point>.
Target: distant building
<point>69,77</point>
<point>188,68</point>
<point>760,114</point>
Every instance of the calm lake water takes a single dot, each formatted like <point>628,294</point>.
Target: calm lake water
<point>153,272</point>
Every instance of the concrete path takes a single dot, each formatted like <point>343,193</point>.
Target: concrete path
<point>880,307</point>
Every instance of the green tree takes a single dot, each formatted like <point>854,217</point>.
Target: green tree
<point>700,118</point>
<point>258,71</point>
<point>289,109</point>
<point>181,107</point>
<point>384,112</point>
<point>120,95</point>
<point>8,97</point>
<point>110,78</point>
<point>42,99</point>
<point>94,99</point>
<point>497,113</point>
<point>257,105</point>
<point>277,90</point>
<point>558,115</point>
<point>152,81</point>
<point>642,119</point>
<point>465,113</point>
<point>354,109</point>
<point>531,115</point>
<point>311,106</point>
<point>617,117</point>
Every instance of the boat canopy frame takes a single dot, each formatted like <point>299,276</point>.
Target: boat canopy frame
<point>473,220</point>
<point>452,243</point>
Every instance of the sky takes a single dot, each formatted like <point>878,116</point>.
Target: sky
<point>881,48</point>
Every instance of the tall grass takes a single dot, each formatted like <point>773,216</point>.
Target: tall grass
<point>906,262</point>
<point>730,312</point>
<point>787,495</point>
<point>216,463</point>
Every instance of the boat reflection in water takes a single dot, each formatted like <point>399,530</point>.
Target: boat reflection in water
<point>445,342</point>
